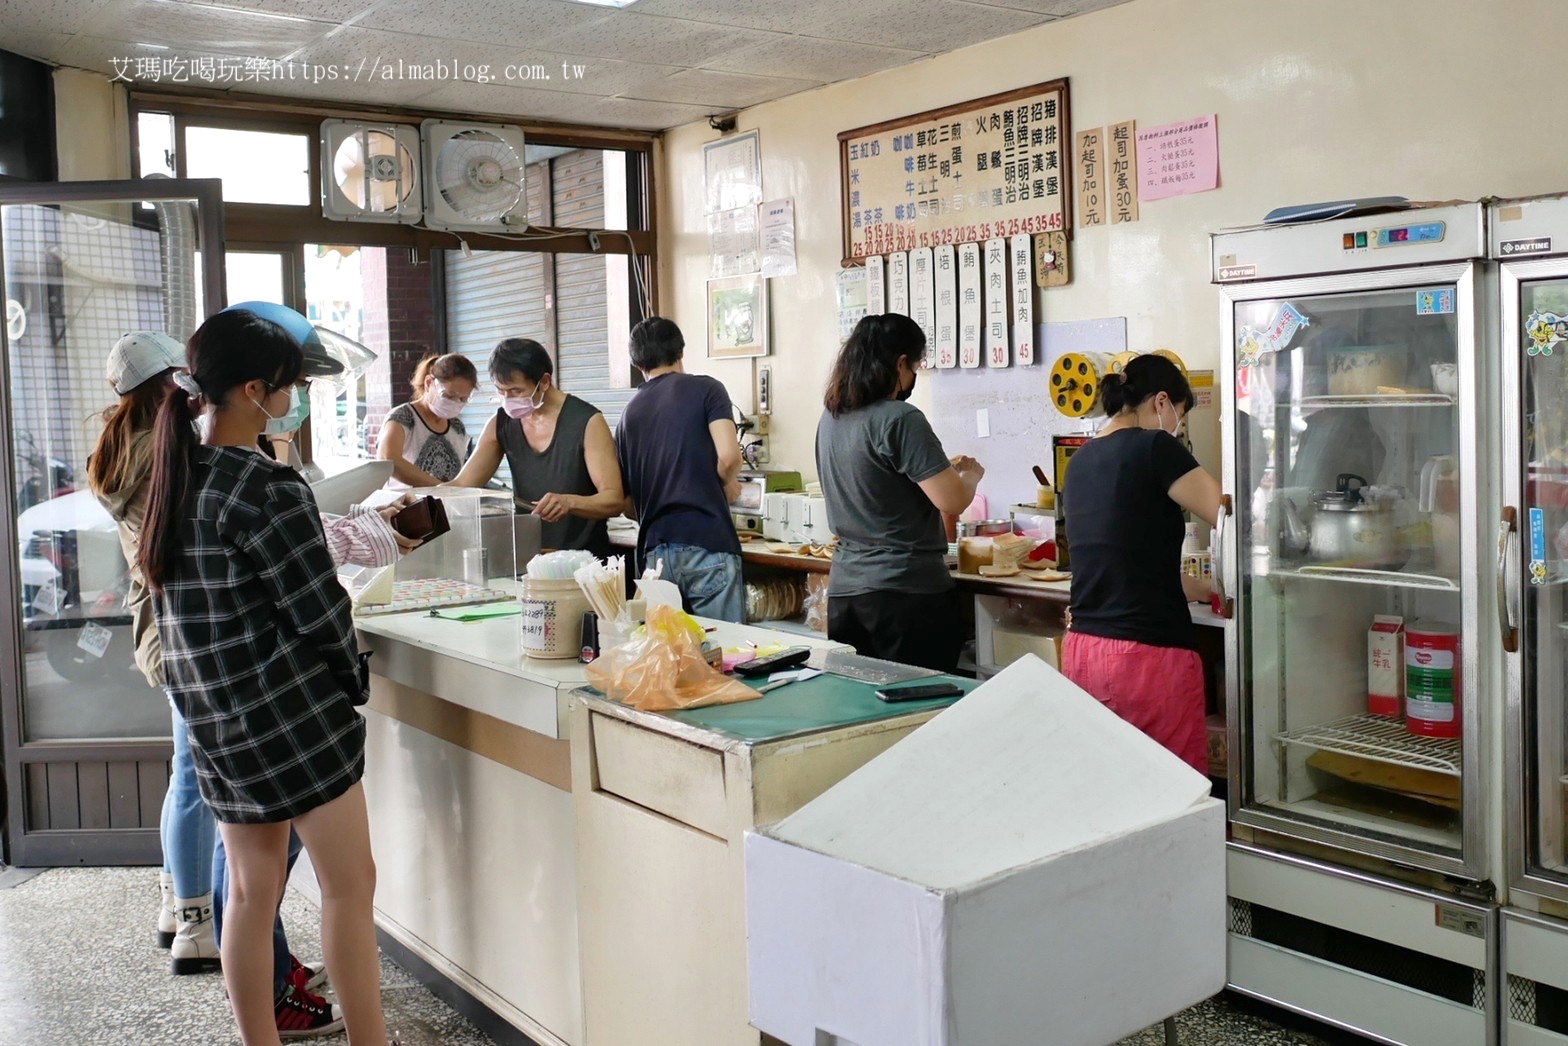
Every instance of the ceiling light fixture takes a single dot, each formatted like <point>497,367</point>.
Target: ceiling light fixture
<point>605,3</point>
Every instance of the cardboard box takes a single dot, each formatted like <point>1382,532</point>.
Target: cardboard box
<point>1026,867</point>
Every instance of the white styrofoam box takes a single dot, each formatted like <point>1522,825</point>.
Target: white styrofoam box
<point>1024,861</point>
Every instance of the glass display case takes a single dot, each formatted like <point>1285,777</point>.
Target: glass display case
<point>1351,456</point>
<point>476,561</point>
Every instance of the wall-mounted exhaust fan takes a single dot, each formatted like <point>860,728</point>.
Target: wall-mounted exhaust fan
<point>369,172</point>
<point>474,176</point>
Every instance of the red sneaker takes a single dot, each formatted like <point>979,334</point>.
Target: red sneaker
<point>302,1015</point>
<point>307,976</point>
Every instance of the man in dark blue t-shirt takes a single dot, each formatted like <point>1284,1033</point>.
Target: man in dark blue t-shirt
<point>680,458</point>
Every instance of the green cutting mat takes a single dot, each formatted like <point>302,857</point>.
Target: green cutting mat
<point>820,703</point>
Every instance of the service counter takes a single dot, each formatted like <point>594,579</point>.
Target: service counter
<point>527,882</point>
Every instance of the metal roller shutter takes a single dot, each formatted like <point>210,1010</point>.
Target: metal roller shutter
<point>582,314</point>
<point>491,295</point>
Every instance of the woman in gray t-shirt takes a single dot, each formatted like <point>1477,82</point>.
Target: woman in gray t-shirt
<point>886,481</point>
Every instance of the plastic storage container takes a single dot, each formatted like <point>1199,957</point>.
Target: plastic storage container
<point>552,618</point>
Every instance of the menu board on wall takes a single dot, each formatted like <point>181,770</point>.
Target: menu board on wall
<point>969,305</point>
<point>993,167</point>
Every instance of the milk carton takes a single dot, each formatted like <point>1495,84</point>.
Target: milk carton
<point>1385,665</point>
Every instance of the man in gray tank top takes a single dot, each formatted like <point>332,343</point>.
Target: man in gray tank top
<point>559,449</point>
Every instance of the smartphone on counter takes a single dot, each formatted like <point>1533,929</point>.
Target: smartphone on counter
<point>920,692</point>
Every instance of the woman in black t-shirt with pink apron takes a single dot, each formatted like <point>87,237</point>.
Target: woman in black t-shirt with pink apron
<point>1132,643</point>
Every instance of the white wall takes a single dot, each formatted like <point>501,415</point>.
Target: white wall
<point>1317,100</point>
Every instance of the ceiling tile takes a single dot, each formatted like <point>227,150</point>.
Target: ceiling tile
<point>49,16</point>
<point>144,65</point>
<point>523,24</point>
<point>720,91</point>
<point>781,16</point>
<point>46,47</point>
<point>321,10</point>
<point>650,116</point>
<point>212,30</point>
<point>519,103</point>
<point>932,25</point>
<point>381,56</point>
<point>667,41</point>
<point>827,61</point>
<point>1056,8</point>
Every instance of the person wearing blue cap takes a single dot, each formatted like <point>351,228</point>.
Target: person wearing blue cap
<point>260,660</point>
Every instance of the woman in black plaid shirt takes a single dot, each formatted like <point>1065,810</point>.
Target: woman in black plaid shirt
<point>260,657</point>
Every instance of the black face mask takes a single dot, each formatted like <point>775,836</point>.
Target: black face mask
<point>904,394</point>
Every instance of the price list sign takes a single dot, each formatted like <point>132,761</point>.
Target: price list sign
<point>993,167</point>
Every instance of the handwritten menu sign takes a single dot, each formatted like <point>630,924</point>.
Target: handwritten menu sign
<point>1124,161</point>
<point>1091,177</point>
<point>1178,159</point>
<point>993,167</point>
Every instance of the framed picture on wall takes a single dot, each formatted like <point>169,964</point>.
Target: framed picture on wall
<point>737,317</point>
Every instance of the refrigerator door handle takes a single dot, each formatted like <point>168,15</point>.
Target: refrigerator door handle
<point>1227,604</point>
<point>1507,553</point>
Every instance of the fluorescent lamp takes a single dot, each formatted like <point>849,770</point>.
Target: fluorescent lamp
<point>605,3</point>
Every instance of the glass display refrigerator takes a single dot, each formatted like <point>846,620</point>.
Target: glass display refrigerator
<point>1529,241</point>
<point>1362,686</point>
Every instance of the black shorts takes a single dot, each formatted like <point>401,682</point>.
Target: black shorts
<point>923,629</point>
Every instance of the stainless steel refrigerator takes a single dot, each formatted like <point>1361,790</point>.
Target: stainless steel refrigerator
<point>1363,666</point>
<point>1529,242</point>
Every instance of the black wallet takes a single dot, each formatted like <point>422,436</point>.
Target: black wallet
<point>423,520</point>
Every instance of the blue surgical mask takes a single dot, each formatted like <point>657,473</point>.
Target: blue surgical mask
<point>291,419</point>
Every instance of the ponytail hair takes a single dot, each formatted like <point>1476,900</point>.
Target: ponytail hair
<point>867,365</point>
<point>451,367</point>
<point>109,465</point>
<point>232,348</point>
<point>1143,378</point>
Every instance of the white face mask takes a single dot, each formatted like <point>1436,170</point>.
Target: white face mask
<point>521,407</point>
<point>290,419</point>
<point>442,406</point>
<point>1174,429</point>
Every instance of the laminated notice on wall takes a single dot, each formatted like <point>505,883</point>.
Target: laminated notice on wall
<point>898,283</point>
<point>998,352</point>
<point>922,298</point>
<point>778,238</point>
<point>851,293</point>
<point>1023,300</point>
<point>732,242</point>
<point>876,286</point>
<point>946,306</point>
<point>969,312</point>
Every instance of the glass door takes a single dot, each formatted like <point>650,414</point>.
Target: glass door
<point>1352,472</point>
<point>1536,347</point>
<point>86,740</point>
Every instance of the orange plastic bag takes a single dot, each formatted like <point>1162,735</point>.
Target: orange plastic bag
<point>663,669</point>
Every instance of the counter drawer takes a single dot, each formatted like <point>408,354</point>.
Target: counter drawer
<point>672,777</point>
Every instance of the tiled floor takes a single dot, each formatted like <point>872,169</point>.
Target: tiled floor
<point>78,964</point>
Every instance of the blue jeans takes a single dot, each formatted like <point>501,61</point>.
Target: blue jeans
<point>280,941</point>
<point>186,829</point>
<point>710,582</point>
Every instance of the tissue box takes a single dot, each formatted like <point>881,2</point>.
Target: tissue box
<point>1025,865</point>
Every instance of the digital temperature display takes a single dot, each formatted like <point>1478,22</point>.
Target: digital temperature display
<point>1429,232</point>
